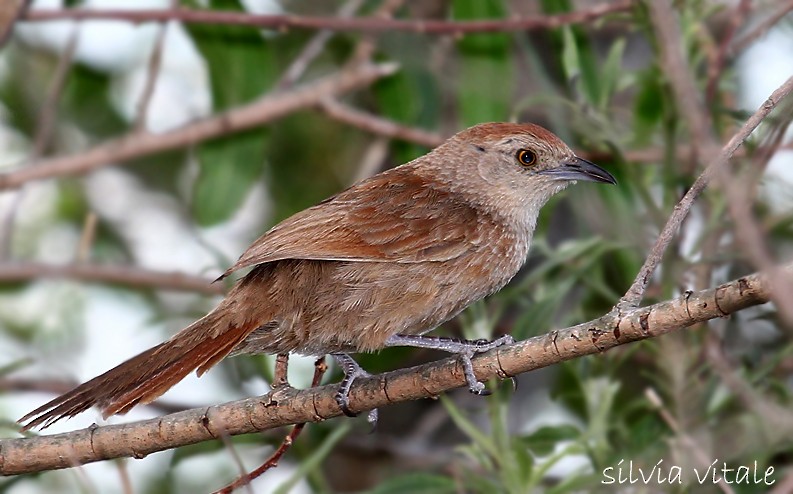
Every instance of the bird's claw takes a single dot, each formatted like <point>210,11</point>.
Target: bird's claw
<point>352,371</point>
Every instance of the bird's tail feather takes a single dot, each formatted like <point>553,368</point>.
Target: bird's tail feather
<point>145,377</point>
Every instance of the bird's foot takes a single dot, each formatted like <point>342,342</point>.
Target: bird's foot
<point>465,349</point>
<point>352,371</point>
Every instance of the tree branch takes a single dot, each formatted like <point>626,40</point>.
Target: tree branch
<point>354,24</point>
<point>289,406</point>
<point>137,144</point>
<point>378,125</point>
<point>11,272</point>
<point>762,28</point>
<point>635,293</point>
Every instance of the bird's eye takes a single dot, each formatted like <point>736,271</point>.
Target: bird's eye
<point>526,157</point>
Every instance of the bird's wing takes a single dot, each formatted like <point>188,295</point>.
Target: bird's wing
<point>395,216</point>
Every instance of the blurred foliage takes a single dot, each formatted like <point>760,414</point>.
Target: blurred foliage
<point>602,87</point>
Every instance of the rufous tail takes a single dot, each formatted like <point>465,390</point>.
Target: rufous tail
<point>145,377</point>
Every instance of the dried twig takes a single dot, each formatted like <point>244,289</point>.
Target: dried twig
<point>379,125</point>
<point>762,28</point>
<point>314,47</point>
<point>356,24</point>
<point>44,127</point>
<point>62,386</point>
<point>717,66</point>
<point>155,61</point>
<point>319,370</point>
<point>690,106</point>
<point>264,110</point>
<point>635,293</point>
<point>12,272</point>
<point>690,443</point>
<point>10,13</point>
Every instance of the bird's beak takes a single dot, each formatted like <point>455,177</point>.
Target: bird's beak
<point>576,168</point>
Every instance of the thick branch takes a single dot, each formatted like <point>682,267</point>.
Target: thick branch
<point>356,24</point>
<point>138,439</point>
<point>11,272</point>
<point>261,111</point>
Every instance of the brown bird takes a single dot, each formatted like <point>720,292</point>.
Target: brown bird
<point>374,266</point>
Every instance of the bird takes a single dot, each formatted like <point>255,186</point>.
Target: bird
<point>377,265</point>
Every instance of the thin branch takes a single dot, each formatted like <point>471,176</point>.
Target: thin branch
<point>690,105</point>
<point>762,28</point>
<point>42,139</point>
<point>57,387</point>
<point>320,367</point>
<point>314,47</point>
<point>353,24</point>
<point>155,61</point>
<point>10,13</point>
<point>379,125</point>
<point>635,293</point>
<point>717,66</point>
<point>690,443</point>
<point>138,439</point>
<point>14,272</point>
<point>264,110</point>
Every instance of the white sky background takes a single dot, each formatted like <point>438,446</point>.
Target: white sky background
<point>117,323</point>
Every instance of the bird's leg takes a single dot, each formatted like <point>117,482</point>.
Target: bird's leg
<point>352,371</point>
<point>280,378</point>
<point>465,349</point>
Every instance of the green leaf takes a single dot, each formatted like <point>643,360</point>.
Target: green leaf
<point>469,428</point>
<point>412,97</point>
<point>544,440</point>
<point>610,73</point>
<point>242,66</point>
<point>416,483</point>
<point>228,168</point>
<point>486,82</point>
<point>648,105</point>
<point>580,63</point>
<point>242,63</point>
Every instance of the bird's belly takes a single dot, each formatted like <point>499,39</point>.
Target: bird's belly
<point>355,306</point>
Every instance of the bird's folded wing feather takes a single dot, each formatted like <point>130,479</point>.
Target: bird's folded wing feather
<point>396,217</point>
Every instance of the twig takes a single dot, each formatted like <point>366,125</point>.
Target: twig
<point>126,480</point>
<point>25,455</point>
<point>762,28</point>
<point>314,47</point>
<point>749,234</point>
<point>688,441</point>
<point>62,386</point>
<point>319,370</point>
<point>87,237</point>
<point>717,66</point>
<point>379,125</point>
<point>10,13</point>
<point>155,61</point>
<point>365,48</point>
<point>635,293</point>
<point>14,272</point>
<point>45,124</point>
<point>773,415</point>
<point>690,105</point>
<point>266,109</point>
<point>354,24</point>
